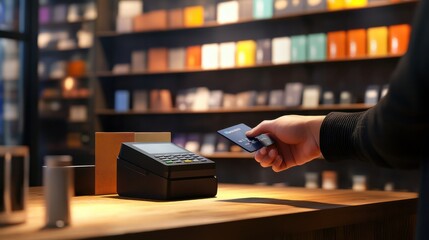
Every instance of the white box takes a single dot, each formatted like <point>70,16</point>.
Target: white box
<point>227,54</point>
<point>227,12</point>
<point>210,56</point>
<point>281,50</point>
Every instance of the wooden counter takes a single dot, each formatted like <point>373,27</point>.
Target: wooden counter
<point>238,212</point>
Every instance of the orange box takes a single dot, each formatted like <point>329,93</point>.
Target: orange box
<point>356,43</point>
<point>194,16</point>
<point>193,57</point>
<point>337,45</point>
<point>175,18</point>
<point>107,146</point>
<point>154,20</point>
<point>336,4</point>
<point>157,59</point>
<point>76,68</point>
<point>246,53</point>
<point>161,100</point>
<point>399,36</point>
<point>377,41</point>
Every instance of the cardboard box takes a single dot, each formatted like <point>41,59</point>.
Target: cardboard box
<point>157,59</point>
<point>107,146</point>
<point>175,18</point>
<point>316,47</point>
<point>155,20</point>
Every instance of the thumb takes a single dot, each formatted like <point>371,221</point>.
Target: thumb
<point>263,127</point>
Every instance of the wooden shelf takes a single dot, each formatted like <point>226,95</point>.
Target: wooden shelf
<point>65,24</point>
<point>64,98</point>
<point>76,49</point>
<point>110,34</point>
<point>323,108</point>
<point>109,74</point>
<point>49,79</point>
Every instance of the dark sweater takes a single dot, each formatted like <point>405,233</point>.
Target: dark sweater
<point>395,132</point>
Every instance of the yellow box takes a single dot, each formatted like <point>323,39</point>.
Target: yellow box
<point>246,53</point>
<point>194,16</point>
<point>355,3</point>
<point>336,4</point>
<point>107,146</point>
<point>377,41</point>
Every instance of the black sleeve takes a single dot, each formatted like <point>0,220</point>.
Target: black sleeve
<point>395,132</point>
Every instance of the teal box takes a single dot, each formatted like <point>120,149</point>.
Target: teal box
<point>316,47</point>
<point>298,48</point>
<point>263,9</point>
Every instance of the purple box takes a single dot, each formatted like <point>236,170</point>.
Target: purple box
<point>44,14</point>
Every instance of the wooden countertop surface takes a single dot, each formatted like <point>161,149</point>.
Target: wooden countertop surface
<point>242,210</point>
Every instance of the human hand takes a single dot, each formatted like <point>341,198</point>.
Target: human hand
<point>296,141</point>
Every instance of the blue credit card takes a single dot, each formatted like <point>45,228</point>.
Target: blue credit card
<point>237,135</point>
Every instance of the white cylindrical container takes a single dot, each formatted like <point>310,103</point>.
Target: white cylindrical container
<point>58,189</point>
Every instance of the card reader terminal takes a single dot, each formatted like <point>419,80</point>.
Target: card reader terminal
<point>164,171</point>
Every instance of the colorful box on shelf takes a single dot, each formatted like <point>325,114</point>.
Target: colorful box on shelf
<point>356,43</point>
<point>76,68</point>
<point>284,7</point>
<point>316,47</point>
<point>227,54</point>
<point>245,9</point>
<point>209,13</point>
<point>140,100</point>
<point>157,59</point>
<point>315,5</point>
<point>399,36</point>
<point>336,4</point>
<point>122,100</point>
<point>130,8</point>
<point>210,56</point>
<point>281,47</point>
<point>263,51</point>
<point>193,16</point>
<point>45,13</point>
<point>138,61</point>
<point>160,100</point>
<point>246,53</point>
<point>154,20</point>
<point>377,41</point>
<point>337,45</point>
<point>176,58</point>
<point>262,9</point>
<point>107,146</point>
<point>355,3</point>
<point>175,18</point>
<point>124,24</point>
<point>298,48</point>
<point>227,12</point>
<point>193,57</point>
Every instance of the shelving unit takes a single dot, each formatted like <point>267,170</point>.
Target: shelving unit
<point>60,134</point>
<point>352,74</point>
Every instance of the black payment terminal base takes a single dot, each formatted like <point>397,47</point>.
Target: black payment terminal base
<point>164,171</point>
